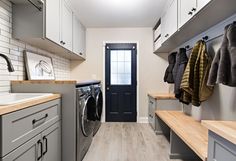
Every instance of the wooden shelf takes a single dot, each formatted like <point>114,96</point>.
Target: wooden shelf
<point>215,12</point>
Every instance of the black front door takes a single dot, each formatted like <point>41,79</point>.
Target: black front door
<point>120,69</point>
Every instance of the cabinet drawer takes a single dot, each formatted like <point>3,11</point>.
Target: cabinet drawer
<point>20,126</point>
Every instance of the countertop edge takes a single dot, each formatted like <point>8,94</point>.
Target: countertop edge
<point>211,125</point>
<point>44,82</point>
<point>162,96</point>
<point>23,105</point>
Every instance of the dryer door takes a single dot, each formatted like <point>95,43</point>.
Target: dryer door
<point>99,105</point>
<point>88,116</point>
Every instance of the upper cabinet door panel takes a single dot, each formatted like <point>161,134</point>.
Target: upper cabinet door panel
<point>67,16</point>
<point>53,20</point>
<point>169,21</point>
<point>172,18</point>
<point>186,8</point>
<point>164,29</point>
<point>201,4</point>
<point>79,39</point>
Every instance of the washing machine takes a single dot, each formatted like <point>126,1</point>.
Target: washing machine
<point>98,95</point>
<point>86,109</point>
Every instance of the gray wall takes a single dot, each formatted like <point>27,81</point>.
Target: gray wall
<point>222,104</point>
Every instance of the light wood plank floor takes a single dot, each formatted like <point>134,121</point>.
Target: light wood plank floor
<point>128,142</point>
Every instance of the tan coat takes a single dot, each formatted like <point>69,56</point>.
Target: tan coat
<point>194,81</point>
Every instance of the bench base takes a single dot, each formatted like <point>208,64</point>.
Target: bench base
<point>180,150</point>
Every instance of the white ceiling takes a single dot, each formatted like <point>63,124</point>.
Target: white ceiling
<point>118,13</point>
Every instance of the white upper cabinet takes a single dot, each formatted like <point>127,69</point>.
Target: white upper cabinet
<point>186,10</point>
<point>66,34</point>
<point>79,37</point>
<point>169,21</point>
<point>201,4</point>
<point>53,20</point>
<point>49,28</point>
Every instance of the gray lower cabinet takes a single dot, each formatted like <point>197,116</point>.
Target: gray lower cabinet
<point>32,134</point>
<point>220,149</point>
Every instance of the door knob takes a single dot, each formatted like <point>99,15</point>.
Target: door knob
<point>108,88</point>
<point>194,9</point>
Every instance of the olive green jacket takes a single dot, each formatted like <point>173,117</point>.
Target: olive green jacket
<point>194,81</point>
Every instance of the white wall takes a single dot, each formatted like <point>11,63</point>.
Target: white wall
<point>14,50</point>
<point>151,68</point>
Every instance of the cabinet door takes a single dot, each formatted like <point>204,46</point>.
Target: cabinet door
<point>53,20</point>
<point>186,8</point>
<point>67,26</point>
<point>172,18</point>
<point>151,112</point>
<point>201,4</point>
<point>52,143</point>
<point>164,29</point>
<point>169,21</point>
<point>79,37</point>
<point>30,151</point>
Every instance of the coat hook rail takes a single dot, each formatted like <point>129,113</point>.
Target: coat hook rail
<point>206,39</point>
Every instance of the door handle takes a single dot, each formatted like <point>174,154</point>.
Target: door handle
<point>41,149</point>
<point>46,143</point>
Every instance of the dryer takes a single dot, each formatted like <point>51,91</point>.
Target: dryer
<point>98,95</point>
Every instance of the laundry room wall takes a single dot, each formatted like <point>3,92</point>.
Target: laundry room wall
<point>150,69</point>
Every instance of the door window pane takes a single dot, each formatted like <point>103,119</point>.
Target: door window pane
<point>120,67</point>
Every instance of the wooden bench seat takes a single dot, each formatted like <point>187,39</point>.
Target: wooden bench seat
<point>189,130</point>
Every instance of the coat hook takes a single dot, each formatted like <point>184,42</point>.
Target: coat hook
<point>205,38</point>
<point>187,47</point>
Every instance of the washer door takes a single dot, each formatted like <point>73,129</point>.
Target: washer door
<point>88,116</point>
<point>99,105</point>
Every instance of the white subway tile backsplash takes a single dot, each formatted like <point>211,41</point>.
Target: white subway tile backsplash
<point>14,50</point>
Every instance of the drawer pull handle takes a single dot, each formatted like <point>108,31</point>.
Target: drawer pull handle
<point>150,116</point>
<point>35,120</point>
<point>46,143</point>
<point>41,149</point>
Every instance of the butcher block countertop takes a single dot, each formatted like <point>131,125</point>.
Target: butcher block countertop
<point>43,82</point>
<point>225,129</point>
<point>22,105</point>
<point>162,96</point>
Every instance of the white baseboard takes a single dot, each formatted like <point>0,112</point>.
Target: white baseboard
<point>143,120</point>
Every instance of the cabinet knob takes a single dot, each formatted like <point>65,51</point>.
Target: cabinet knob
<point>62,42</point>
<point>80,53</point>
<point>190,13</point>
<point>194,9</point>
<point>166,35</point>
